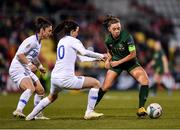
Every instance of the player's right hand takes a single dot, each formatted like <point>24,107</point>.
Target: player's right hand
<point>32,67</point>
<point>42,69</point>
<point>105,57</point>
<point>107,64</point>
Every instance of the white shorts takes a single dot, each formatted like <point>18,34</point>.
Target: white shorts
<point>57,84</point>
<point>17,74</point>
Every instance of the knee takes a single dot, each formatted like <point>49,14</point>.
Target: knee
<point>145,81</point>
<point>52,98</point>
<point>96,84</point>
<point>40,91</point>
<point>32,89</point>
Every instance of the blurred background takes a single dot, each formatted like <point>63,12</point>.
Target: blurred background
<point>147,20</point>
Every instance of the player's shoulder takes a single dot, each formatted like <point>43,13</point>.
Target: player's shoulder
<point>30,39</point>
<point>125,34</point>
<point>72,38</point>
<point>69,41</point>
<point>108,39</point>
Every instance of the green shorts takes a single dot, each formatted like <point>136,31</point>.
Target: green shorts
<point>128,66</point>
<point>159,69</point>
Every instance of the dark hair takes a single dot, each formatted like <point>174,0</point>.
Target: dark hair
<point>110,20</point>
<point>65,27</point>
<point>42,22</point>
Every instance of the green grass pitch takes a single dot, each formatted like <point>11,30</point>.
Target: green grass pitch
<point>119,108</point>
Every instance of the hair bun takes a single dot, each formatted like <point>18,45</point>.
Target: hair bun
<point>41,22</point>
<point>110,19</point>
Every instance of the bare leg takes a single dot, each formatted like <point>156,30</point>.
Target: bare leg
<point>28,87</point>
<point>140,75</point>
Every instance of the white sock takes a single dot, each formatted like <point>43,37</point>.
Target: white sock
<point>37,99</point>
<point>42,104</point>
<point>24,98</point>
<point>92,97</point>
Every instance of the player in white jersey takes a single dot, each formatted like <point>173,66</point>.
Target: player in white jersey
<point>25,62</point>
<point>63,77</point>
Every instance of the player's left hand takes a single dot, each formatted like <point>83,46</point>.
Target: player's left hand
<point>107,64</point>
<point>105,57</point>
<point>114,63</point>
<point>42,69</point>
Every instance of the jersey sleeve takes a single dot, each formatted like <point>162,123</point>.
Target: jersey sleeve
<point>85,58</point>
<point>107,42</point>
<point>130,44</point>
<point>78,46</point>
<point>26,47</point>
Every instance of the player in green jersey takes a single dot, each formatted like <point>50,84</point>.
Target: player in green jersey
<point>122,56</point>
<point>160,66</point>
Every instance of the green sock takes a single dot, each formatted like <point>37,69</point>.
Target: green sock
<point>143,94</point>
<point>100,95</point>
<point>153,88</point>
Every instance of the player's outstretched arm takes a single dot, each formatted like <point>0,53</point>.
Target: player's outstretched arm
<point>84,52</point>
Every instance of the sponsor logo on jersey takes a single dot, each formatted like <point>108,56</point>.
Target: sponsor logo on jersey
<point>28,46</point>
<point>121,47</point>
<point>110,45</point>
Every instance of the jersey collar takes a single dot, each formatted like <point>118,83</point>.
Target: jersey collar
<point>115,39</point>
<point>39,41</point>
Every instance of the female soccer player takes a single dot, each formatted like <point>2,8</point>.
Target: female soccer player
<point>63,76</point>
<point>160,66</point>
<point>25,62</point>
<point>122,56</point>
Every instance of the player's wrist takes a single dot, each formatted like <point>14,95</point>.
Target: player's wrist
<point>40,66</point>
<point>29,64</point>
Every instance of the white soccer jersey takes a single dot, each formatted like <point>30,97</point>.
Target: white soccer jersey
<point>67,50</point>
<point>31,48</point>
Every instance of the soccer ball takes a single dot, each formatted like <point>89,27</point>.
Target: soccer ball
<point>154,110</point>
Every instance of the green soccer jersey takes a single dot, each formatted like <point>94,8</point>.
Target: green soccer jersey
<point>158,66</point>
<point>120,47</point>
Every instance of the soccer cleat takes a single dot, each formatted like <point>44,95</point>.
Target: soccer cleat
<point>18,113</point>
<point>92,115</point>
<point>40,116</point>
<point>141,112</point>
<point>29,118</point>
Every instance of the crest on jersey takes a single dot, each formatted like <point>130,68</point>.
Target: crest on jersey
<point>28,46</point>
<point>110,46</point>
<point>121,47</point>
